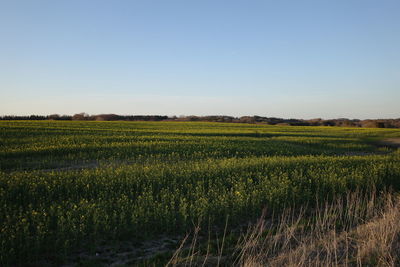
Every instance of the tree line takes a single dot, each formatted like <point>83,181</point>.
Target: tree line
<point>343,122</point>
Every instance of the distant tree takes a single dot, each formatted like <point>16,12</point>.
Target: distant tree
<point>369,124</point>
<point>53,117</point>
<point>80,116</point>
<point>247,119</point>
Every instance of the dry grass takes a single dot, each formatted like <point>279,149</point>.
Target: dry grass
<point>357,230</point>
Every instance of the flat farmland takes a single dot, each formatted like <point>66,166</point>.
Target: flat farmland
<point>66,186</point>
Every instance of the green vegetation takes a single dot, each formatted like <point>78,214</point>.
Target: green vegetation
<point>70,184</point>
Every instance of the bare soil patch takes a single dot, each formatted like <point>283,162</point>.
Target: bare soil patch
<point>123,253</point>
<point>364,153</point>
<point>390,142</point>
<point>90,165</point>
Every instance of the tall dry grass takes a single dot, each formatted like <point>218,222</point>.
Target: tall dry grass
<point>356,230</point>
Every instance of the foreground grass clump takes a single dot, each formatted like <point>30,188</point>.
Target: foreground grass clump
<point>75,185</point>
<point>358,229</point>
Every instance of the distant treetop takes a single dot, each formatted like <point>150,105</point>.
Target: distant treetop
<point>343,122</point>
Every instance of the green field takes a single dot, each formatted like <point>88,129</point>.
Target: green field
<point>71,185</point>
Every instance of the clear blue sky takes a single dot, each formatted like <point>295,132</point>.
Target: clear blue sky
<point>299,59</point>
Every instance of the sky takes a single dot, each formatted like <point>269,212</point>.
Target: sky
<point>289,59</point>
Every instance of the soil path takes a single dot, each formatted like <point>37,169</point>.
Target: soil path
<point>390,142</point>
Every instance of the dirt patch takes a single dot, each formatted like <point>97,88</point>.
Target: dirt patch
<point>390,142</point>
<point>123,253</point>
<point>89,165</point>
<point>364,154</point>
<point>386,146</point>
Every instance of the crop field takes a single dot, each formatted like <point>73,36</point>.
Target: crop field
<point>66,186</point>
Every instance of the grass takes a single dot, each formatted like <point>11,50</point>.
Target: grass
<point>75,186</point>
<point>359,229</point>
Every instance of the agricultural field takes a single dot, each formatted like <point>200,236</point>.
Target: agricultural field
<point>68,187</point>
